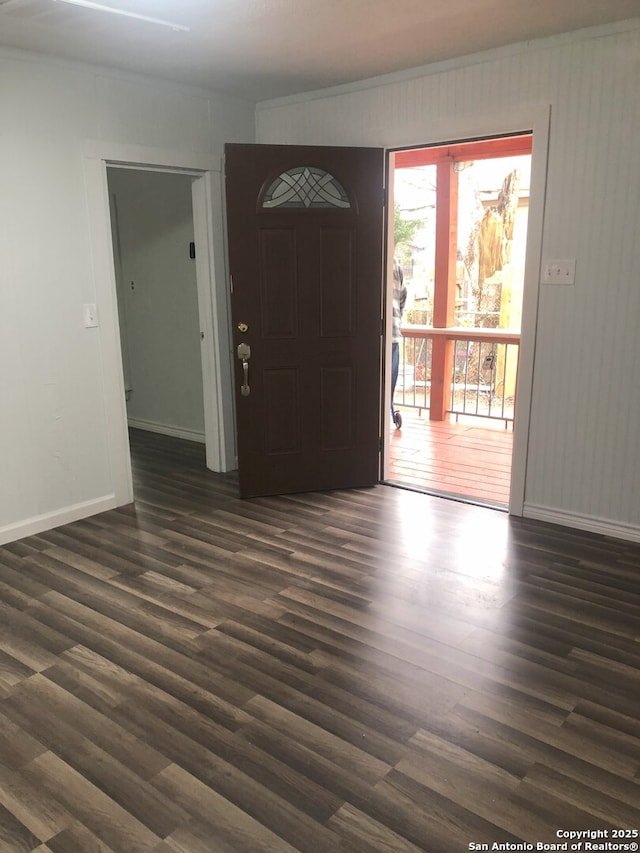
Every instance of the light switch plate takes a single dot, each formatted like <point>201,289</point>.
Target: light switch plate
<point>559,271</point>
<point>90,312</point>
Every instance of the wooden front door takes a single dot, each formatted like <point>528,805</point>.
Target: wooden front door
<point>305,232</point>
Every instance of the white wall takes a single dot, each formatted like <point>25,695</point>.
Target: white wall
<point>158,301</point>
<point>583,464</point>
<point>583,461</point>
<point>54,460</point>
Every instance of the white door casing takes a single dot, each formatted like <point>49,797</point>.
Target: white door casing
<point>212,302</point>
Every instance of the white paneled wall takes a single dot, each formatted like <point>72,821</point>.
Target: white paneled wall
<point>583,458</point>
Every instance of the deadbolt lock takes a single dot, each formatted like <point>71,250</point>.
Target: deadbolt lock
<point>242,327</point>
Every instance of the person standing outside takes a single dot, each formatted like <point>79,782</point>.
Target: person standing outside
<point>399,300</point>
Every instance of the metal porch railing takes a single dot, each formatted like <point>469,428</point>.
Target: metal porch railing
<point>482,365</point>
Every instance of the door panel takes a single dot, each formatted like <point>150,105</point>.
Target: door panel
<point>305,229</point>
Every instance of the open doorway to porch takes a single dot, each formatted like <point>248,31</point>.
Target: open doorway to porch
<point>460,230</point>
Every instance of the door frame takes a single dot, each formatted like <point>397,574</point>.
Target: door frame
<point>527,118</point>
<point>212,268</point>
<point>213,305</point>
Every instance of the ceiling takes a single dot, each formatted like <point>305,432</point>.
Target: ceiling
<point>263,49</point>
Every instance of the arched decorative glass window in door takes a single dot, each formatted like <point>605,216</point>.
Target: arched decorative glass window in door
<point>306,187</point>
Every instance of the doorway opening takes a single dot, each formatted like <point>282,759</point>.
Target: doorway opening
<point>150,247</point>
<point>460,216</point>
<point>156,285</point>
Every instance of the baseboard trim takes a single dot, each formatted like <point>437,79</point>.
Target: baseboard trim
<point>49,520</point>
<point>603,526</point>
<point>164,429</point>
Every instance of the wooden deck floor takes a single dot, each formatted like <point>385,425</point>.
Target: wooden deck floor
<point>470,459</point>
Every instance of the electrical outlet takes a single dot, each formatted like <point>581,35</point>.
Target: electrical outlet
<point>559,272</point>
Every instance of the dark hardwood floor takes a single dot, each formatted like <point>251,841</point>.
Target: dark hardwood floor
<point>353,672</point>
